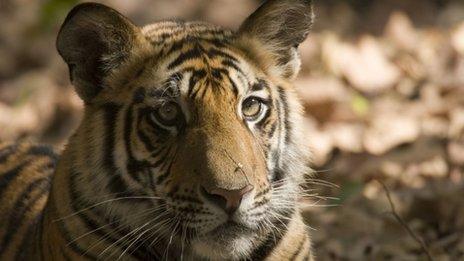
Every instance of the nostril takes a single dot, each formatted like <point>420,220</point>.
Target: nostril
<point>246,189</point>
<point>216,199</point>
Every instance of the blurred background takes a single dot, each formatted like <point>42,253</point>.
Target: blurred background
<point>383,86</point>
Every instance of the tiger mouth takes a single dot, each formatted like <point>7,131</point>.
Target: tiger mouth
<point>230,229</point>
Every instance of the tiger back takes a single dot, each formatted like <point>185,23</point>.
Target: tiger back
<point>190,147</point>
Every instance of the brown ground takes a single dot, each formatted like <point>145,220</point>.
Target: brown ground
<point>383,85</point>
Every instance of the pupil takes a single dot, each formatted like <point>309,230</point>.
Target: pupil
<point>251,103</point>
<point>252,107</point>
<point>169,112</point>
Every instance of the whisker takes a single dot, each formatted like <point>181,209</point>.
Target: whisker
<point>119,228</point>
<point>146,212</point>
<point>322,183</point>
<point>101,203</point>
<point>133,241</point>
<point>170,240</point>
<point>160,217</point>
<point>122,238</point>
<point>322,170</point>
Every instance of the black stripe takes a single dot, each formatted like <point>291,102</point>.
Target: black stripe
<point>298,250</point>
<point>217,73</point>
<point>24,248</point>
<point>257,87</point>
<point>194,53</point>
<point>277,172</point>
<point>143,137</point>
<point>157,152</point>
<point>194,93</point>
<point>76,205</point>
<point>21,207</point>
<point>220,43</point>
<point>175,47</point>
<point>272,130</point>
<point>213,53</point>
<point>260,125</point>
<point>262,192</point>
<point>161,160</point>
<point>234,86</point>
<point>284,102</point>
<point>72,245</point>
<point>39,235</point>
<point>9,176</point>
<point>217,78</point>
<point>260,203</point>
<point>194,78</point>
<point>170,157</point>
<point>166,174</point>
<point>229,63</point>
<point>276,153</point>
<point>6,152</point>
<point>145,140</point>
<point>131,165</point>
<point>265,249</point>
<point>117,183</point>
<point>43,151</point>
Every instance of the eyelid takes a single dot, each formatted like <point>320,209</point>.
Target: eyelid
<point>265,100</point>
<point>262,94</point>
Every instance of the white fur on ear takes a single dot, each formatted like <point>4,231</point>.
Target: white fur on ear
<point>292,68</point>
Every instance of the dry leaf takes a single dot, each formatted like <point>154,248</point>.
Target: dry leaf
<point>390,130</point>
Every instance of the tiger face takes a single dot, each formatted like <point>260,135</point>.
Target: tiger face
<point>198,123</point>
<point>214,123</point>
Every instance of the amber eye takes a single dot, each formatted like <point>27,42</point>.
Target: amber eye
<point>168,113</point>
<point>252,108</point>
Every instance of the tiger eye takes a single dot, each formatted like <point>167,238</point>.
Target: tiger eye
<point>168,113</point>
<point>251,108</point>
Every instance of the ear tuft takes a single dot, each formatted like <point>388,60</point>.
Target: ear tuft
<point>94,40</point>
<point>281,26</point>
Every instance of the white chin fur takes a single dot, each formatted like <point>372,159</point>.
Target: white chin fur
<point>212,249</point>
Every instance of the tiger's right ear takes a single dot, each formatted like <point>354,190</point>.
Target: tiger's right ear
<point>279,26</point>
<point>94,40</point>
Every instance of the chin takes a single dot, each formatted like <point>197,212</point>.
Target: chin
<point>228,241</point>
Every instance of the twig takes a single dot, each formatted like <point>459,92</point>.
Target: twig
<point>239,166</point>
<point>403,223</point>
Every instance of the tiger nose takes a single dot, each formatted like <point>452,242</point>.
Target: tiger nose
<point>229,200</point>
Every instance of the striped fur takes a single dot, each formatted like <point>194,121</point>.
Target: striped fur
<point>25,178</point>
<point>129,186</point>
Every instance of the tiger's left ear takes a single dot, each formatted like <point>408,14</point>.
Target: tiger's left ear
<point>95,40</point>
<point>278,27</point>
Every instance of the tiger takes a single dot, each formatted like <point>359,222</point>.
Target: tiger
<point>191,145</point>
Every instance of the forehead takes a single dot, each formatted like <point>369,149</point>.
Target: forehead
<point>171,32</point>
<point>187,54</point>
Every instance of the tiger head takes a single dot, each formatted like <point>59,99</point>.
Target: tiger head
<point>199,123</point>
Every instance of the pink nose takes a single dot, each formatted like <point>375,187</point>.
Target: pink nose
<point>229,200</point>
